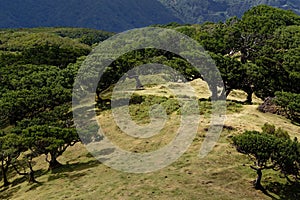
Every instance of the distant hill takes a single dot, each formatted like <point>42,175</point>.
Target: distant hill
<point>199,11</point>
<point>109,15</point>
<point>121,15</point>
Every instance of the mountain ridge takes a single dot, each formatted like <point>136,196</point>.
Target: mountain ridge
<point>199,11</point>
<point>109,15</point>
<point>118,15</point>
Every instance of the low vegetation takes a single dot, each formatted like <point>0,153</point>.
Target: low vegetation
<point>256,60</point>
<point>271,149</point>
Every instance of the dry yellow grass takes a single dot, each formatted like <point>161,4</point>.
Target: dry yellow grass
<point>220,175</point>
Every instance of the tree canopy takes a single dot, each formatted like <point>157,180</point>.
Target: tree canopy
<point>270,149</point>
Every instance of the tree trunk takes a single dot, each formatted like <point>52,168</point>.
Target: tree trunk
<point>4,176</point>
<point>244,55</point>
<point>249,97</point>
<point>31,178</point>
<point>5,181</point>
<point>257,182</point>
<point>138,83</point>
<point>98,95</point>
<point>53,163</point>
<point>227,92</point>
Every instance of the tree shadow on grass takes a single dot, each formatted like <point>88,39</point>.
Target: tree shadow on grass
<point>7,192</point>
<point>228,100</point>
<point>288,191</point>
<point>64,170</point>
<point>34,186</point>
<point>78,166</point>
<point>25,178</point>
<point>266,192</point>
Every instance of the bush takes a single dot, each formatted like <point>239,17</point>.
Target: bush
<point>270,129</point>
<point>290,103</point>
<point>270,149</point>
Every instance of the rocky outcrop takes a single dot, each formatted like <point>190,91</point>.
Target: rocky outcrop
<point>269,106</point>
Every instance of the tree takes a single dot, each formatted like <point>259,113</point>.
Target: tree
<point>43,48</point>
<point>290,103</point>
<point>279,59</point>
<point>24,163</point>
<point>49,133</point>
<point>236,75</point>
<point>11,146</point>
<point>84,35</point>
<point>212,37</point>
<point>269,149</point>
<point>27,90</point>
<point>258,25</point>
<point>35,99</point>
<point>266,38</point>
<point>265,41</point>
<point>16,105</point>
<point>260,148</point>
<point>286,158</point>
<point>50,141</point>
<point>114,72</point>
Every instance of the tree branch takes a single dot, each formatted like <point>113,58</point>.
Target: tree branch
<point>20,173</point>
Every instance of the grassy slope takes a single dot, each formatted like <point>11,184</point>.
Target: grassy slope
<point>220,175</point>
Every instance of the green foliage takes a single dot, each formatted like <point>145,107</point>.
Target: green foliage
<point>27,90</point>
<point>290,103</point>
<point>11,146</point>
<point>128,61</point>
<point>259,53</point>
<point>271,130</point>
<point>141,105</point>
<point>231,70</point>
<point>261,146</point>
<point>264,43</point>
<point>49,140</point>
<point>9,58</point>
<point>83,35</point>
<point>286,157</point>
<point>261,19</point>
<point>60,116</point>
<point>40,47</point>
<point>35,98</point>
<point>19,77</point>
<point>271,149</point>
<point>279,60</point>
<point>16,105</point>
<point>212,37</point>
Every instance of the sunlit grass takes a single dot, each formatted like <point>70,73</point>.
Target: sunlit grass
<point>222,174</point>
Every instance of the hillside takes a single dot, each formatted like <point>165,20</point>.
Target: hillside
<point>50,142</point>
<point>109,15</point>
<point>199,11</point>
<point>223,174</point>
<point>118,15</point>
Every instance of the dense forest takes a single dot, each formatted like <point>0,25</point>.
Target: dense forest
<point>258,53</point>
